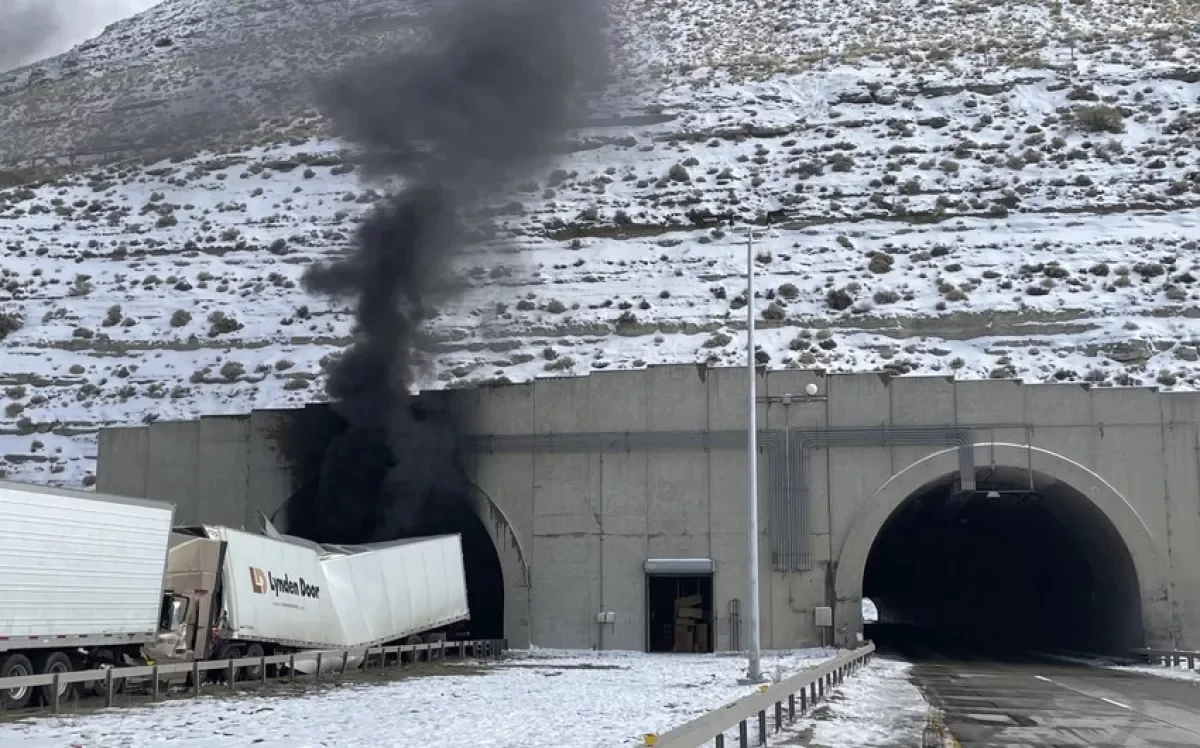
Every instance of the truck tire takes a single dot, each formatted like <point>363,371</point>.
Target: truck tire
<point>102,659</point>
<point>48,664</point>
<point>254,672</point>
<point>224,654</point>
<point>412,656</point>
<point>15,666</point>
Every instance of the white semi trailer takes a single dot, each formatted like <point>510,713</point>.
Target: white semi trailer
<point>81,580</point>
<point>89,581</point>
<point>233,594</point>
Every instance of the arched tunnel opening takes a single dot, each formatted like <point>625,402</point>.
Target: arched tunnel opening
<point>346,490</point>
<point>1023,563</point>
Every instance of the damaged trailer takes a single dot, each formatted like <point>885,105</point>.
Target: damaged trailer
<point>233,594</point>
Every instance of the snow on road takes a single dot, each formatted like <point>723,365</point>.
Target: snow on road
<point>1175,672</point>
<point>1161,671</point>
<point>878,706</point>
<point>538,699</point>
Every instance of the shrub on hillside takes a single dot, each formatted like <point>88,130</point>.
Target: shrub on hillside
<point>1100,118</point>
<point>10,322</point>
<point>15,177</point>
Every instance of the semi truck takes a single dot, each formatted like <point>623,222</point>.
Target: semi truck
<point>232,594</point>
<point>89,581</point>
<point>81,581</point>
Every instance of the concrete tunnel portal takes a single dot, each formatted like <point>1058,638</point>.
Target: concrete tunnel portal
<point>1022,562</point>
<point>364,512</point>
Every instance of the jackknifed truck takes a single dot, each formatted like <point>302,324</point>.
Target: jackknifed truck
<point>89,581</point>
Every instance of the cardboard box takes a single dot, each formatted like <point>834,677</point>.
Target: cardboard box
<point>701,637</point>
<point>684,638</point>
<point>694,613</point>
<point>690,601</point>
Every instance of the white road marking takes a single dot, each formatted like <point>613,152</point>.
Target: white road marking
<point>1042,677</point>
<point>1116,703</point>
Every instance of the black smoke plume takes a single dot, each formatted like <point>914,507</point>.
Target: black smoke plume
<point>482,102</point>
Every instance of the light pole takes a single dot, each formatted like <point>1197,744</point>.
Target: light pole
<point>755,667</point>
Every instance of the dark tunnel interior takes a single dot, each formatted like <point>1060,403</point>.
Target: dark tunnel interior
<point>364,511</point>
<point>1023,563</point>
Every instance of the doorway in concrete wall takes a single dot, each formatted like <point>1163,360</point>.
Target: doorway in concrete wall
<point>679,605</point>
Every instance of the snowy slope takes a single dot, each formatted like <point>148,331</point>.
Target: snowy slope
<point>984,190</point>
<point>188,71</point>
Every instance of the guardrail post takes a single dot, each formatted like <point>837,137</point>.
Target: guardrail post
<point>291,668</point>
<point>803,700</point>
<point>345,659</point>
<point>791,708</point>
<point>55,684</point>
<point>108,687</point>
<point>762,727</point>
<point>778,716</point>
<point>720,740</point>
<point>262,669</point>
<point>743,735</point>
<point>1191,662</point>
<point>317,672</point>
<point>195,679</point>
<point>231,673</point>
<point>154,682</point>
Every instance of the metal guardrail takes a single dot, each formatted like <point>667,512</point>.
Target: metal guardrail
<point>1169,657</point>
<point>485,648</point>
<point>809,687</point>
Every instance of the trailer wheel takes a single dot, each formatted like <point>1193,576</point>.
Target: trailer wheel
<point>224,654</point>
<point>15,666</point>
<point>48,664</point>
<point>254,672</point>
<point>102,659</point>
<point>411,656</point>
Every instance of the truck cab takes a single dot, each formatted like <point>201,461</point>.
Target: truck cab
<point>190,598</point>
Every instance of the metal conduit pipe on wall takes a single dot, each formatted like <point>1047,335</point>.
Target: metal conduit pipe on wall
<point>787,453</point>
<point>789,555</point>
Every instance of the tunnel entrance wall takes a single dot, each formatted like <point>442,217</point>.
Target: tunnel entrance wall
<point>1149,563</point>
<point>691,501</point>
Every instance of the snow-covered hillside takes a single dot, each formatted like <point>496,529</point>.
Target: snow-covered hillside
<point>1005,190</point>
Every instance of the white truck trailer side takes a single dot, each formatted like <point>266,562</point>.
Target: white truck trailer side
<point>81,580</point>
<point>241,594</point>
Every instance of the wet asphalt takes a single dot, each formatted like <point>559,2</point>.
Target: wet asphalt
<point>1015,700</point>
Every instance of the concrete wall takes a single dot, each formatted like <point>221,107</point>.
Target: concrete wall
<point>579,522</point>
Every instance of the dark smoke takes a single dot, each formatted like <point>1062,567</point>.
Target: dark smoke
<point>484,101</point>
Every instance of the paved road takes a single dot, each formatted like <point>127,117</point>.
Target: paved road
<point>1028,701</point>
